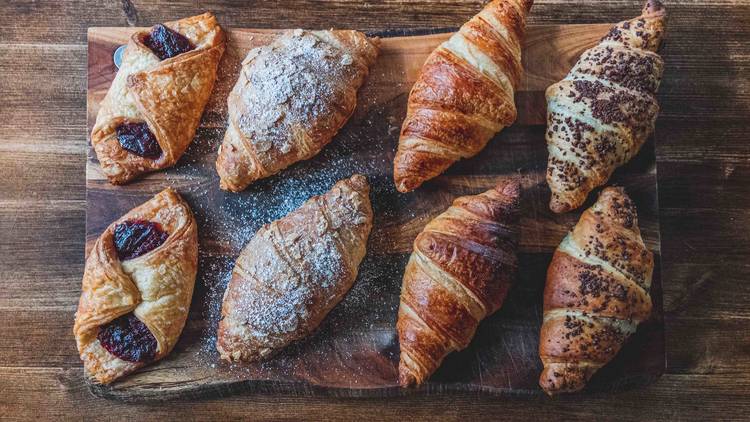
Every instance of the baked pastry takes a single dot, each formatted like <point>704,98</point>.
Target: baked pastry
<point>600,115</point>
<point>294,271</point>
<point>597,293</point>
<point>150,113</point>
<point>291,98</point>
<point>137,286</point>
<point>464,94</point>
<point>463,264</point>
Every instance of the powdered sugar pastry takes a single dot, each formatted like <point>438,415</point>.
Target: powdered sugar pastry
<point>291,83</point>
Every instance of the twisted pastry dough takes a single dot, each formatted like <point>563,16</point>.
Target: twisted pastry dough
<point>294,271</point>
<point>464,94</point>
<point>157,286</point>
<point>462,266</point>
<point>291,98</point>
<point>169,95</point>
<point>600,115</point>
<point>596,293</point>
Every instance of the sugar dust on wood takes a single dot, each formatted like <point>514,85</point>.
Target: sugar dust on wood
<point>229,220</point>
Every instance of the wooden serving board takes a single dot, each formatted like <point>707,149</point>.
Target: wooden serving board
<point>355,351</point>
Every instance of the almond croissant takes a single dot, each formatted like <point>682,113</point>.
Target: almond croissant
<point>600,115</point>
<point>294,271</point>
<point>597,293</point>
<point>459,273</point>
<point>291,98</point>
<point>464,94</point>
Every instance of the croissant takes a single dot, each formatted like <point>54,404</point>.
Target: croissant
<point>137,287</point>
<point>464,94</point>
<point>597,293</point>
<point>459,273</point>
<point>291,98</point>
<point>294,271</point>
<point>154,105</point>
<point>600,115</point>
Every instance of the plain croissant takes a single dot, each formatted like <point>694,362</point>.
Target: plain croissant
<point>291,98</point>
<point>597,293</point>
<point>464,94</point>
<point>600,115</point>
<point>294,271</point>
<point>462,266</point>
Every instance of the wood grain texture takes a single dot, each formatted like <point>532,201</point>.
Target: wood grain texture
<point>62,394</point>
<point>702,152</point>
<point>357,341</point>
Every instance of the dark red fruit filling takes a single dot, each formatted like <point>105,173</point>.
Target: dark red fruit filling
<point>138,139</point>
<point>128,338</point>
<point>166,43</point>
<point>134,238</point>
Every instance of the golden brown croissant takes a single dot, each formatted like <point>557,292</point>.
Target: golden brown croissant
<point>290,100</point>
<point>150,113</point>
<point>597,293</point>
<point>464,94</point>
<point>600,115</point>
<point>294,271</point>
<point>463,264</point>
<point>137,287</point>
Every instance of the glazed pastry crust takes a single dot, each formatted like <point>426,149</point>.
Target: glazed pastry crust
<point>463,264</point>
<point>597,292</point>
<point>169,95</point>
<point>294,271</point>
<point>157,286</point>
<point>464,94</point>
<point>605,109</point>
<point>290,100</point>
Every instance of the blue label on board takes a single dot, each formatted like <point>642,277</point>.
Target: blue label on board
<point>117,58</point>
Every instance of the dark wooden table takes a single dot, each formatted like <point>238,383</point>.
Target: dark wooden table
<point>704,193</point>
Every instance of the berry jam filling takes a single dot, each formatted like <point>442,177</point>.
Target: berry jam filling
<point>134,238</point>
<point>138,139</point>
<point>128,338</point>
<point>166,43</point>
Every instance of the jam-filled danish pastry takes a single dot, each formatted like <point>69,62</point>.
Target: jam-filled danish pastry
<point>137,287</point>
<point>150,113</point>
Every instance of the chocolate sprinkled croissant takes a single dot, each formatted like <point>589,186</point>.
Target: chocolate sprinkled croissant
<point>600,115</point>
<point>463,264</point>
<point>597,293</point>
<point>464,94</point>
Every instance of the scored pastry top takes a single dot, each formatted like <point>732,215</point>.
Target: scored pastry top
<point>294,271</point>
<point>291,82</point>
<point>291,98</point>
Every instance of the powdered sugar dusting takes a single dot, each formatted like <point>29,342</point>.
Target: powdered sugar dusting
<point>293,272</point>
<point>365,320</point>
<point>289,84</point>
